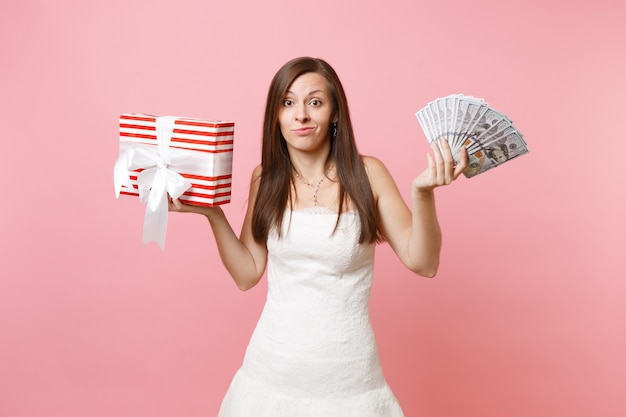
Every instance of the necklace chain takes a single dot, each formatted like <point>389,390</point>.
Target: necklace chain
<point>316,186</point>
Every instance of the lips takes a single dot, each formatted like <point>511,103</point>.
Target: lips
<point>303,131</point>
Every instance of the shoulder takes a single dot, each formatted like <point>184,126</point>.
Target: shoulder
<point>256,175</point>
<point>374,167</point>
<point>256,172</point>
<point>379,177</point>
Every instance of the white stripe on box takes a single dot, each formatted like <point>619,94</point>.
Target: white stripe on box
<point>227,148</point>
<point>195,135</point>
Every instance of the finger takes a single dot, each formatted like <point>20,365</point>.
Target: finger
<point>445,147</point>
<point>438,168</point>
<point>463,163</point>
<point>431,164</point>
<point>436,147</point>
<point>175,204</point>
<point>448,162</point>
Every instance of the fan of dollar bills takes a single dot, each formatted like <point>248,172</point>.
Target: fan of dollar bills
<point>489,136</point>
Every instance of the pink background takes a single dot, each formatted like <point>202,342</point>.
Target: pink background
<point>527,315</point>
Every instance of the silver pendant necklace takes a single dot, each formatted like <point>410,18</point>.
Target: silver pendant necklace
<point>315,186</point>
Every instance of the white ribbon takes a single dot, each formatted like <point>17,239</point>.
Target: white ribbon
<point>157,179</point>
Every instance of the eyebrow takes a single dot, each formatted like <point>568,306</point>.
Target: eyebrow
<point>310,93</point>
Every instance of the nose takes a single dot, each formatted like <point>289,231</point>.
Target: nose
<point>301,113</point>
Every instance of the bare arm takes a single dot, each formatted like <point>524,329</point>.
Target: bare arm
<point>414,235</point>
<point>243,257</point>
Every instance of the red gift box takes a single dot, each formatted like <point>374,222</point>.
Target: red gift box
<point>210,143</point>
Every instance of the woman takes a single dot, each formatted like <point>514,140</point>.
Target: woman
<point>315,212</point>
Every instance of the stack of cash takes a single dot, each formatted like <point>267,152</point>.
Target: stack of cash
<point>488,135</point>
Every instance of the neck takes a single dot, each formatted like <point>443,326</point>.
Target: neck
<point>310,168</point>
<point>310,164</point>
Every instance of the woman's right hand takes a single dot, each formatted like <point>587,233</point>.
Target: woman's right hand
<point>178,206</point>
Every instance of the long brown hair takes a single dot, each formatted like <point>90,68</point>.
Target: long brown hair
<point>276,179</point>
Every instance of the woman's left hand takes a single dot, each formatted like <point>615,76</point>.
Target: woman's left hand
<point>441,168</point>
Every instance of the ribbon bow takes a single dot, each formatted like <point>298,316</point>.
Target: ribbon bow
<point>157,179</point>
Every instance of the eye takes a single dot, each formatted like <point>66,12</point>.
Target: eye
<point>315,102</point>
<point>287,102</point>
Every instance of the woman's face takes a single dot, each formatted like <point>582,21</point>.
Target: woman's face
<point>306,113</point>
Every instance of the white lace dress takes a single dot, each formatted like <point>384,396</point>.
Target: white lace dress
<point>313,352</point>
